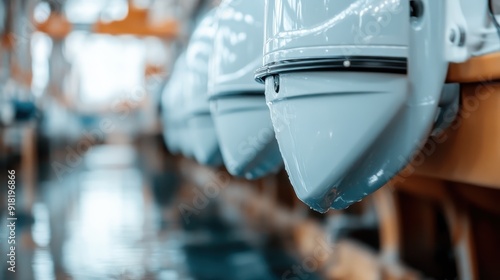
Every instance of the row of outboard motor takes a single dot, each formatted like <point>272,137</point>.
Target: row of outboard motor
<point>341,93</point>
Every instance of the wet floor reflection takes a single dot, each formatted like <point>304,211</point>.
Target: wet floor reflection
<point>114,217</point>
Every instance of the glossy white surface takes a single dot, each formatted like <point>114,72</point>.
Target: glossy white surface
<point>198,53</point>
<point>238,105</point>
<point>345,134</point>
<point>205,143</point>
<point>204,140</point>
<point>327,126</point>
<point>304,28</point>
<point>174,115</point>
<point>237,47</point>
<point>246,136</point>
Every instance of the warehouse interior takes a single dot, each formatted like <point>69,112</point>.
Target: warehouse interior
<point>249,140</point>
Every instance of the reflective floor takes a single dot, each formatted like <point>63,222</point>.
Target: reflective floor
<point>115,216</point>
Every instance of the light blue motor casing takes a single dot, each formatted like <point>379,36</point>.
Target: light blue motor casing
<point>199,121</point>
<point>346,119</point>
<point>174,114</point>
<point>175,130</point>
<point>242,119</point>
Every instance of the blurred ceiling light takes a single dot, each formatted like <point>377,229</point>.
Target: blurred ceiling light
<point>41,12</point>
<point>110,68</point>
<point>40,52</point>
<point>90,11</point>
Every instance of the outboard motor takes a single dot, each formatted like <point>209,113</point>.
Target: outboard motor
<point>242,120</point>
<point>356,87</point>
<point>199,121</point>
<point>173,113</point>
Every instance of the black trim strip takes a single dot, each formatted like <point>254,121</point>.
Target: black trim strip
<point>232,94</point>
<point>395,65</point>
<point>199,114</point>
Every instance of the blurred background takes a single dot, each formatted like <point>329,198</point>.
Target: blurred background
<point>98,196</point>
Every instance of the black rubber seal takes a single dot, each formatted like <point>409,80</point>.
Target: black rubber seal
<point>233,94</point>
<point>394,65</point>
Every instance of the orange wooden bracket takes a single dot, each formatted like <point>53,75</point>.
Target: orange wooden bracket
<point>56,26</point>
<point>136,23</point>
<point>477,69</point>
<point>469,150</point>
<point>457,217</point>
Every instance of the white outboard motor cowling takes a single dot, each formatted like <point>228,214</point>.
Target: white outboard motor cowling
<point>242,119</point>
<point>354,89</point>
<point>199,121</point>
